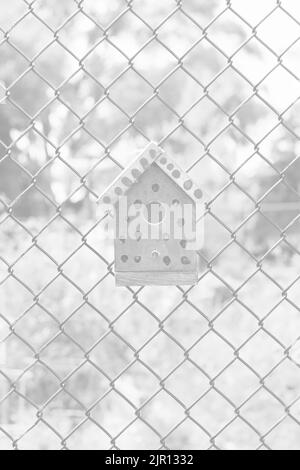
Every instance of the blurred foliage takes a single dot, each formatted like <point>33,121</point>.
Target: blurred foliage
<point>33,77</point>
<point>89,344</point>
<point>87,341</point>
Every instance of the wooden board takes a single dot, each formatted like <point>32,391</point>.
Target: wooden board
<point>143,250</point>
<point>155,278</point>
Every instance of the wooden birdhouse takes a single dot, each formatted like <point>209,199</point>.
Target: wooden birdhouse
<point>155,209</point>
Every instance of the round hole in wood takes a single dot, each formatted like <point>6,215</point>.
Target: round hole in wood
<point>124,258</point>
<point>126,181</point>
<point>152,153</point>
<point>136,173</point>
<point>106,200</point>
<point>198,194</point>
<point>163,160</point>
<point>137,259</point>
<point>185,260</point>
<point>188,184</point>
<point>155,254</point>
<point>175,202</point>
<point>170,166</point>
<point>155,188</point>
<point>154,213</point>
<point>118,191</point>
<point>167,260</point>
<point>138,203</point>
<point>183,243</point>
<point>176,174</point>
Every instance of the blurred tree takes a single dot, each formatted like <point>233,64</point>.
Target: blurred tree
<point>81,93</point>
<point>282,203</point>
<point>28,95</point>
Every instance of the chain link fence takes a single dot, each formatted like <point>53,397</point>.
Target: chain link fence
<point>83,87</point>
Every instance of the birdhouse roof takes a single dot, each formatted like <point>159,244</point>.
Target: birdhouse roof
<point>130,175</point>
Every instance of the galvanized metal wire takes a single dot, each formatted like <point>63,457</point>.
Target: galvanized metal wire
<point>210,264</point>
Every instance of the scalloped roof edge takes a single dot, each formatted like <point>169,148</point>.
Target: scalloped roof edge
<point>130,175</point>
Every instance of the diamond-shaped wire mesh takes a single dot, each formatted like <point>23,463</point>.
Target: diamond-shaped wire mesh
<point>83,86</point>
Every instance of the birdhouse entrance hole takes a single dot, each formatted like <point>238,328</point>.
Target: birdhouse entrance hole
<point>155,213</point>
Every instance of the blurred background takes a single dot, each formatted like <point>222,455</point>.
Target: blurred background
<point>84,86</point>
